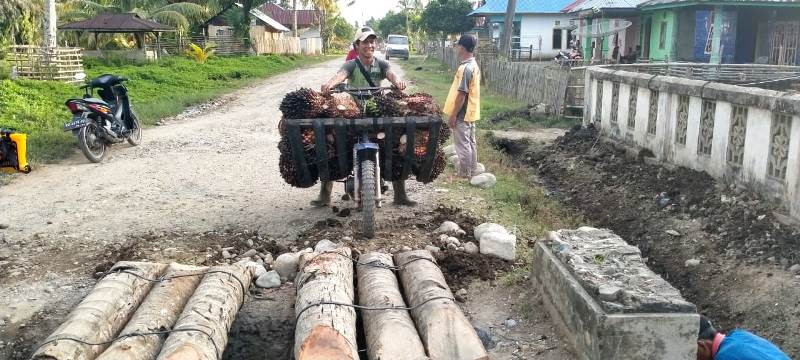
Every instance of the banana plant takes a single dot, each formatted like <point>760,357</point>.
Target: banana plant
<point>201,54</point>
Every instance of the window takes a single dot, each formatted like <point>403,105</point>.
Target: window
<point>557,38</point>
<point>662,40</point>
<point>558,22</point>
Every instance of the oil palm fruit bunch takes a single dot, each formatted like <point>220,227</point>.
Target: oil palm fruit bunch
<point>388,105</point>
<point>422,104</point>
<point>341,105</point>
<point>302,104</point>
<point>288,167</point>
<point>439,164</point>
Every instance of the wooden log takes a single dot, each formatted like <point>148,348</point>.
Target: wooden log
<point>211,309</point>
<point>101,315</point>
<point>325,332</point>
<point>445,331</point>
<point>390,333</point>
<point>158,312</point>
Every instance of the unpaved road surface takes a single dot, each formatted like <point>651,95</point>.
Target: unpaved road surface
<point>196,184</point>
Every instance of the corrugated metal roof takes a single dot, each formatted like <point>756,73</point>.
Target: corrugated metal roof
<point>571,6</point>
<point>305,18</point>
<point>129,23</point>
<point>267,20</point>
<point>748,2</point>
<point>523,7</point>
<point>606,4</point>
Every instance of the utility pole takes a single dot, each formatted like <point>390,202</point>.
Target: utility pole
<point>294,14</point>
<point>508,29</point>
<point>50,21</point>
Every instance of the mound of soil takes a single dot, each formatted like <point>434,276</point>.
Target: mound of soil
<point>675,214</point>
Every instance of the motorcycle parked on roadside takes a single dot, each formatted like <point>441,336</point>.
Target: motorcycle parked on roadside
<point>100,122</point>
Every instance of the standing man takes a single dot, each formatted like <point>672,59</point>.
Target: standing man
<point>736,345</point>
<point>463,107</point>
<point>364,71</point>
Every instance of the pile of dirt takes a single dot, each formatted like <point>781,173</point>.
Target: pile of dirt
<point>675,214</point>
<point>460,269</point>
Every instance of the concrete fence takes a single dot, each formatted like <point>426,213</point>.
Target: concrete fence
<point>745,135</point>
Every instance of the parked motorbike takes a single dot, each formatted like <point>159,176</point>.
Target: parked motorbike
<point>101,122</point>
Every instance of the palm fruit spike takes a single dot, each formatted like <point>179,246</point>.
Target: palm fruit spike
<point>388,106</point>
<point>341,105</point>
<point>288,167</point>
<point>302,104</point>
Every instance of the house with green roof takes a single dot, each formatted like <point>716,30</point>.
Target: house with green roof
<point>540,28</point>
<point>722,31</point>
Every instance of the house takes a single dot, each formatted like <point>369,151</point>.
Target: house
<point>607,30</point>
<point>308,21</point>
<point>540,28</point>
<point>722,31</point>
<point>217,27</point>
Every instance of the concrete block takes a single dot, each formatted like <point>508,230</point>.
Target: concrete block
<point>597,334</point>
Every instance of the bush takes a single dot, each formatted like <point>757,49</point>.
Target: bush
<point>5,69</point>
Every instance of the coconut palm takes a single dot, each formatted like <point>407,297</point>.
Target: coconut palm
<point>179,14</point>
<point>20,21</point>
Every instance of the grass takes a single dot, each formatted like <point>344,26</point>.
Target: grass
<point>516,201</point>
<point>157,90</point>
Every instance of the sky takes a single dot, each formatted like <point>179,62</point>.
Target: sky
<point>362,10</point>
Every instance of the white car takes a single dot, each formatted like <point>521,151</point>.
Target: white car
<point>397,46</point>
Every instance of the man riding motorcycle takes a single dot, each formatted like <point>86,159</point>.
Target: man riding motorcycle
<point>364,71</point>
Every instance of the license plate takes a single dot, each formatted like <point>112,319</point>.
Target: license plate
<point>76,123</point>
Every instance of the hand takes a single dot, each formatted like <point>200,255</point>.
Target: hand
<point>400,85</point>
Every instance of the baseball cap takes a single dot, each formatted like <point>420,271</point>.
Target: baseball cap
<point>468,42</point>
<point>364,33</point>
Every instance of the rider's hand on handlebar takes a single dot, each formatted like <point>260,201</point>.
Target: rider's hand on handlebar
<point>400,85</point>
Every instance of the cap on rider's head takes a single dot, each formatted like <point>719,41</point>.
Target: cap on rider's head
<point>364,33</point>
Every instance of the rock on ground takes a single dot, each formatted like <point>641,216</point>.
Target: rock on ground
<point>483,181</point>
<point>449,150</point>
<point>433,249</point>
<point>286,266</point>
<point>486,228</point>
<point>499,244</point>
<point>449,228</point>
<point>471,248</point>
<point>269,280</point>
<point>480,169</point>
<point>453,160</point>
<point>325,245</point>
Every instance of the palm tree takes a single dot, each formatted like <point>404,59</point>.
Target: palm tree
<point>178,14</point>
<point>19,21</point>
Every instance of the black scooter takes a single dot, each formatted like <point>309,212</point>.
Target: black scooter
<point>98,123</point>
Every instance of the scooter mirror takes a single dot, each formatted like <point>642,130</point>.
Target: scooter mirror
<point>80,76</point>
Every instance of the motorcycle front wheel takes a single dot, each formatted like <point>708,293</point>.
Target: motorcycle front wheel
<point>92,145</point>
<point>368,197</point>
<point>136,132</point>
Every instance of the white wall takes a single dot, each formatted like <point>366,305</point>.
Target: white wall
<point>534,26</point>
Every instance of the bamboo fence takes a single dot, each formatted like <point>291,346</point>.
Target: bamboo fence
<point>44,63</point>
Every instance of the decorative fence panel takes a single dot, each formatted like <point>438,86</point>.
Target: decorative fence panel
<point>43,63</point>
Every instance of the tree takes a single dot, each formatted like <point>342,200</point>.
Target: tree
<point>392,23</point>
<point>342,33</point>
<point>508,27</point>
<point>20,21</point>
<point>447,17</point>
<point>181,14</point>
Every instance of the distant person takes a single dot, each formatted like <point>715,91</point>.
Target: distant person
<point>352,54</point>
<point>736,345</point>
<point>463,107</point>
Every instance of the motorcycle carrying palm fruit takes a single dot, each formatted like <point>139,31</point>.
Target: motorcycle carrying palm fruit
<point>13,152</point>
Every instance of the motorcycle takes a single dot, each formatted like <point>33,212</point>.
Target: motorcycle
<point>100,122</point>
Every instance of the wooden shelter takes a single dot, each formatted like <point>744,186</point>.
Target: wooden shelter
<point>127,23</point>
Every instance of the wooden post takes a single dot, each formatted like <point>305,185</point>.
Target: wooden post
<point>158,46</point>
<point>391,333</point>
<point>530,53</point>
<point>445,331</point>
<point>102,313</point>
<point>211,309</point>
<point>325,332</point>
<point>159,310</point>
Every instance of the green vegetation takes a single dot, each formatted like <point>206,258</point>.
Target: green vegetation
<point>157,90</point>
<point>516,201</point>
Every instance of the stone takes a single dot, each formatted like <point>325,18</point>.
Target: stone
<point>691,262</point>
<point>433,249</point>
<point>499,244</point>
<point>449,150</point>
<point>471,248</point>
<point>486,338</point>
<point>268,259</point>
<point>483,181</point>
<point>248,254</point>
<point>452,246</point>
<point>346,239</point>
<point>480,169</point>
<point>406,248</point>
<point>325,245</point>
<point>259,270</point>
<point>673,233</point>
<point>269,280</point>
<point>453,240</point>
<point>609,292</point>
<point>443,238</point>
<point>795,268</point>
<point>486,228</point>
<point>448,227</point>
<point>226,255</point>
<point>250,242</point>
<point>510,323</point>
<point>453,160</point>
<point>462,292</point>
<point>286,265</point>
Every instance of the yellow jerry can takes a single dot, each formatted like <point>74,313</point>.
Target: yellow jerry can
<point>13,152</point>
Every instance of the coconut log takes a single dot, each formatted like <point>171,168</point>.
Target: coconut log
<point>158,312</point>
<point>325,332</point>
<point>390,333</point>
<point>211,309</point>
<point>101,315</point>
<point>445,331</point>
